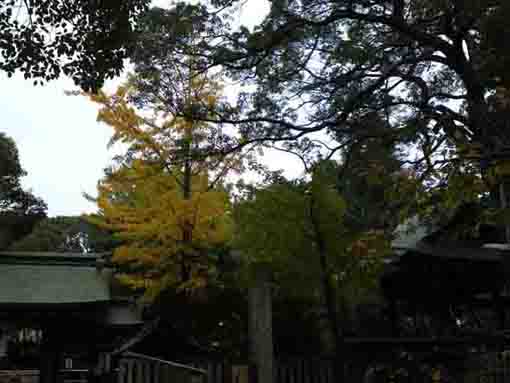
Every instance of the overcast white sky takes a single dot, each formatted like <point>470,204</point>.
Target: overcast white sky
<point>61,145</point>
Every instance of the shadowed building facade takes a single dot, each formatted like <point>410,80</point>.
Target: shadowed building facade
<point>60,311</point>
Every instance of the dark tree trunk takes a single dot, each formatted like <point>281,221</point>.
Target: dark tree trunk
<point>330,301</point>
<point>186,190</point>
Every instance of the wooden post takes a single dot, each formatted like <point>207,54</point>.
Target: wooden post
<point>49,366</point>
<point>121,370</point>
<point>504,204</point>
<point>163,374</point>
<point>130,364</point>
<point>139,371</point>
<point>260,325</point>
<point>156,376</point>
<point>147,372</point>
<point>48,371</point>
<point>499,309</point>
<point>394,317</point>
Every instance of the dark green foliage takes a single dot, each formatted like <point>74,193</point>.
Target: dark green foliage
<point>297,316</point>
<point>495,34</point>
<point>369,179</point>
<point>85,40</point>
<point>14,227</point>
<point>214,323</point>
<point>13,199</point>
<point>20,210</point>
<point>210,322</point>
<point>319,258</point>
<point>66,234</point>
<point>10,165</point>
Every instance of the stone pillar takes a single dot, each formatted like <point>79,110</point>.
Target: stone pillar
<point>260,325</point>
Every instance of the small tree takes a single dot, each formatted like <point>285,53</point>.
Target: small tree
<point>13,199</point>
<point>165,197</point>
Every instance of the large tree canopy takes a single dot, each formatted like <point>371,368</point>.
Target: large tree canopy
<point>85,40</point>
<point>13,199</point>
<point>426,68</point>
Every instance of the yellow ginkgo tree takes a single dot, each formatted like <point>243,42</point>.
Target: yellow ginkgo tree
<point>165,198</point>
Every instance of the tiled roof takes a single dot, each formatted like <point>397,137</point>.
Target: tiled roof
<point>52,278</point>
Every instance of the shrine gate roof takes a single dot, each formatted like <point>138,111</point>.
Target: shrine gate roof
<point>53,278</point>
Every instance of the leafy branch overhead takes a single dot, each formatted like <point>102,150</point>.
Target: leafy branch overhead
<point>84,40</point>
<point>424,67</point>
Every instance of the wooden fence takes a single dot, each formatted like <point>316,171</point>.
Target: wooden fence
<point>490,368</point>
<point>487,368</point>
<point>304,371</point>
<point>285,371</point>
<point>19,376</point>
<point>138,368</point>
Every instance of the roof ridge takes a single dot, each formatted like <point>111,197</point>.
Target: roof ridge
<point>51,254</point>
<point>50,258</point>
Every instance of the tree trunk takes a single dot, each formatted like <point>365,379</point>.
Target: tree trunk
<point>187,235</point>
<point>330,301</point>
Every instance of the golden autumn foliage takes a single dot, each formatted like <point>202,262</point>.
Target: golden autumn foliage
<point>146,209</point>
<point>164,199</point>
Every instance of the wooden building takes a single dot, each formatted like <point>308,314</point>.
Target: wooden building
<point>442,286</point>
<point>60,311</point>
